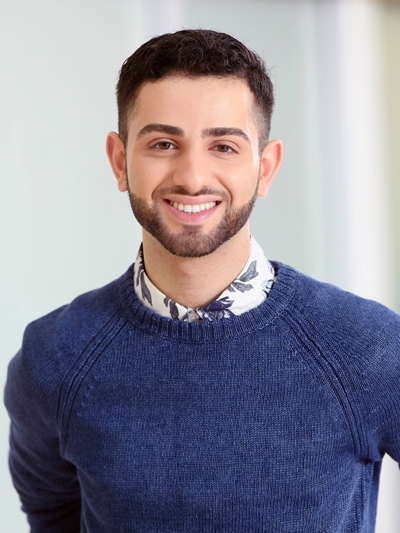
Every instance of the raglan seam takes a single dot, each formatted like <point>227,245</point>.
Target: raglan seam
<point>73,379</point>
<point>332,378</point>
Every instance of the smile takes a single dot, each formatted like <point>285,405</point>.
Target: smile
<point>197,208</point>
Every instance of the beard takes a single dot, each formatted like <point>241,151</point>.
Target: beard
<point>191,241</point>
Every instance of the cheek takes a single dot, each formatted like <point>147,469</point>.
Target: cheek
<point>139,179</point>
<point>245,185</point>
<point>146,175</point>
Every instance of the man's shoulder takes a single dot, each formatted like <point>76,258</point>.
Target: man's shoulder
<point>60,343</point>
<point>329,306</point>
<point>81,319</point>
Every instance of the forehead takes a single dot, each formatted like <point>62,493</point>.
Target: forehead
<point>217,101</point>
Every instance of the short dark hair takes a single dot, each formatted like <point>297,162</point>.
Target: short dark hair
<point>194,53</point>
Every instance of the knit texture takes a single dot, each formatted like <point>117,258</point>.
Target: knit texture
<point>273,421</point>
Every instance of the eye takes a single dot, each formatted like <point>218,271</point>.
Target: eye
<point>224,149</point>
<point>163,145</point>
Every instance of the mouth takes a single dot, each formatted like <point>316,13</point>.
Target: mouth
<point>193,209</point>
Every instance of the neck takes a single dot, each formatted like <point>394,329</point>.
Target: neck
<point>195,282</point>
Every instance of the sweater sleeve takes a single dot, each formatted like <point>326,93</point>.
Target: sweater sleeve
<point>358,346</point>
<point>381,387</point>
<point>47,483</point>
<point>363,340</point>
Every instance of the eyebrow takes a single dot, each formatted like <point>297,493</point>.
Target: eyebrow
<point>208,132</point>
<point>222,132</point>
<point>160,128</point>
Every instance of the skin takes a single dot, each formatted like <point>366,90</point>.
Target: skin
<point>194,142</point>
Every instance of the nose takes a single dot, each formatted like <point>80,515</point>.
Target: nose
<point>192,171</point>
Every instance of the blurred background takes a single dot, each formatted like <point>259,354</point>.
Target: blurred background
<point>333,211</point>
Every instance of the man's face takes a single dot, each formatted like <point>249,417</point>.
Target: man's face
<point>192,162</point>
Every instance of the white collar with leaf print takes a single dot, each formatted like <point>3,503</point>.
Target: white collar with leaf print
<point>246,292</point>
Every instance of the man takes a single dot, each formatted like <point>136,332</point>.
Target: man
<point>207,389</point>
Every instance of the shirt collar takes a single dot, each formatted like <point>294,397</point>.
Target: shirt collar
<point>247,291</point>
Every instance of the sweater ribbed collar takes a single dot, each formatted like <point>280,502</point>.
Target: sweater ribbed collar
<point>157,326</point>
<point>250,288</point>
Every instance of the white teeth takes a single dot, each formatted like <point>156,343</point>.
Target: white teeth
<point>193,208</point>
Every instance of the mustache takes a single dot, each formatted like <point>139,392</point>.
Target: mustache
<point>178,189</point>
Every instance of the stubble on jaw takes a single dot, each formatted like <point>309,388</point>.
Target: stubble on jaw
<point>191,241</point>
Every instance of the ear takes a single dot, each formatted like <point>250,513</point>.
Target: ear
<point>116,155</point>
<point>271,158</point>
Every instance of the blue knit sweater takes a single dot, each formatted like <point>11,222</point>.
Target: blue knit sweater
<point>272,421</point>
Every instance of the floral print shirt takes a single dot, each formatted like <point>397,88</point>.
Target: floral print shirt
<point>246,292</point>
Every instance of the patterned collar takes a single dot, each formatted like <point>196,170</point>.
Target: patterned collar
<point>239,297</point>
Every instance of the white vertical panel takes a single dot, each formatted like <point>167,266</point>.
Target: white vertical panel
<point>365,182</point>
<point>362,133</point>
